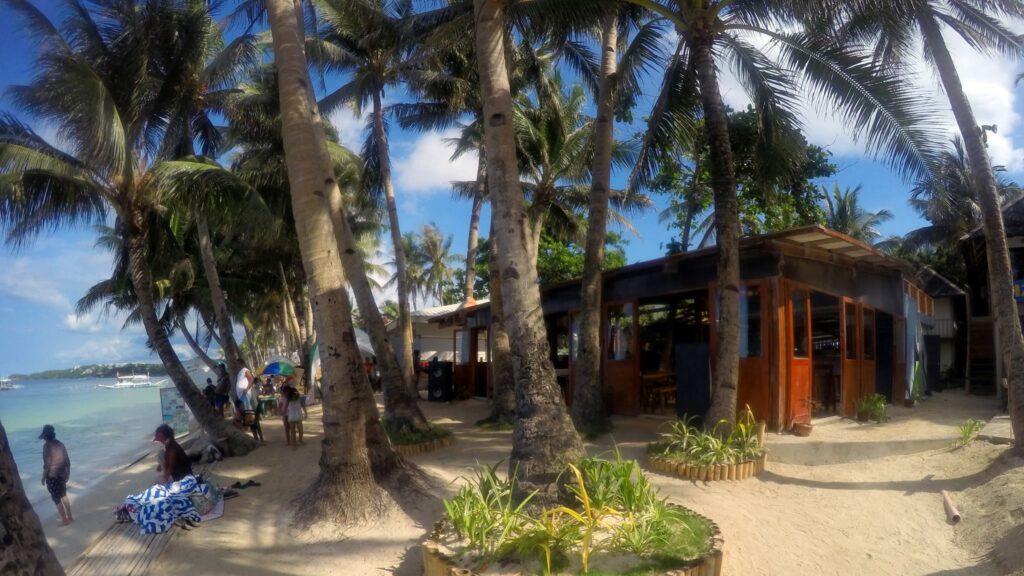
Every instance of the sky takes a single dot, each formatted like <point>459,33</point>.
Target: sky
<point>41,283</point>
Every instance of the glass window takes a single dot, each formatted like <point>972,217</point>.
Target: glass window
<point>750,322</point>
<point>851,330</point>
<point>800,344</point>
<point>482,348</point>
<point>462,346</point>
<point>869,334</point>
<point>620,332</point>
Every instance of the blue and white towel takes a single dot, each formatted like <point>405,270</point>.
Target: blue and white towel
<point>156,509</point>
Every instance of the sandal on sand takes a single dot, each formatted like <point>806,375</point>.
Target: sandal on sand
<point>252,483</point>
<point>239,486</point>
<point>229,494</point>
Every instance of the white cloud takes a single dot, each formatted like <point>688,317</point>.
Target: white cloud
<point>112,348</point>
<point>349,127</point>
<point>82,323</point>
<point>26,281</point>
<point>427,167</point>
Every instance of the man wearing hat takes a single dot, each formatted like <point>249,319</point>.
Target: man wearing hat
<point>56,472</point>
<point>173,463</point>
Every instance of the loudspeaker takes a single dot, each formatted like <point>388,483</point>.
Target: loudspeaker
<point>440,382</point>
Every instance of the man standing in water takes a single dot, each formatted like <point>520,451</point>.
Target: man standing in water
<point>56,472</point>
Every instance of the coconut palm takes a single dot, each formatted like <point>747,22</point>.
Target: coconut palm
<point>846,215</point>
<point>360,474</point>
<point>543,438</point>
<point>875,103</point>
<point>104,88</point>
<point>892,29</point>
<point>436,252</point>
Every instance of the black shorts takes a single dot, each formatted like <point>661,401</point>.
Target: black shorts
<point>58,488</point>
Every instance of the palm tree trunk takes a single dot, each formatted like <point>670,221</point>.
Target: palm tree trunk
<point>25,551</point>
<point>220,306</point>
<point>543,438</point>
<point>401,406</point>
<point>402,284</point>
<point>195,345</point>
<point>727,233</point>
<point>355,455</point>
<point>290,314</point>
<point>1000,277</point>
<point>588,409</point>
<point>228,438</point>
<point>474,224</point>
<point>503,408</point>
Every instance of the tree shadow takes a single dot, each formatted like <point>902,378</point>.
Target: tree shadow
<point>998,559</point>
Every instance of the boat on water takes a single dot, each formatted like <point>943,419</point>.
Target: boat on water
<point>132,381</point>
<point>8,384</point>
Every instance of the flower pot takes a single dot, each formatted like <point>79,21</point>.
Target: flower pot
<point>802,429</point>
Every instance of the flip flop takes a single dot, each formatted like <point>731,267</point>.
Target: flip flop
<point>252,483</point>
<point>230,495</point>
<point>239,486</point>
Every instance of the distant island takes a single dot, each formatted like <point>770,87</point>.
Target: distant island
<point>94,371</point>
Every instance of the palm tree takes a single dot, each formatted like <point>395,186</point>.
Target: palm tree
<point>104,92</point>
<point>874,102</point>
<point>846,215</point>
<point>618,83</point>
<point>25,550</point>
<point>371,40</point>
<point>435,249</point>
<point>891,28</point>
<point>543,438</point>
<point>357,460</point>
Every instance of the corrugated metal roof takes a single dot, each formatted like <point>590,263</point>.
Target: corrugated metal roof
<point>430,314</point>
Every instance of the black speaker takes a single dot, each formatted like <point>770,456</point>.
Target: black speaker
<point>440,382</point>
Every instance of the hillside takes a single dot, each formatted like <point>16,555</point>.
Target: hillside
<point>94,371</point>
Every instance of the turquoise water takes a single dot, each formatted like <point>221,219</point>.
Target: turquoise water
<point>103,429</point>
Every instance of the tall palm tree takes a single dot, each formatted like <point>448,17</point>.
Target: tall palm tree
<point>875,103</point>
<point>371,39</point>
<point>360,475</point>
<point>891,28</point>
<point>544,440</point>
<point>206,74</point>
<point>102,86</point>
<point>622,29</point>
<point>846,215</point>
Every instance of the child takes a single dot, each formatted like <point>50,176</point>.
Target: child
<point>296,412</point>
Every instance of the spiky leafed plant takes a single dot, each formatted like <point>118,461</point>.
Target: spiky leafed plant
<point>899,32</point>
<point>769,53</point>
<point>102,83</point>
<point>846,215</point>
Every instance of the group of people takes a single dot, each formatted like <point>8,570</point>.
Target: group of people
<point>249,411</point>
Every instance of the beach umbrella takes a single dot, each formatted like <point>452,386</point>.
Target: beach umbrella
<point>278,369</point>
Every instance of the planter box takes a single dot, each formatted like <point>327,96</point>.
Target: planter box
<point>738,471</point>
<point>423,447</point>
<point>436,563</point>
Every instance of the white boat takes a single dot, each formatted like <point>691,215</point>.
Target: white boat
<point>7,384</point>
<point>132,381</point>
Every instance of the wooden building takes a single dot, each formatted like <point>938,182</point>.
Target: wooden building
<point>825,319</point>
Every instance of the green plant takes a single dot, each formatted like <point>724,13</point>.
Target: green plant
<point>874,407</point>
<point>589,518</point>
<point>401,436</point>
<point>969,431</point>
<point>685,442</point>
<point>485,513</point>
<point>918,384</point>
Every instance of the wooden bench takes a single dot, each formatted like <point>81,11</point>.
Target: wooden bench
<point>122,550</point>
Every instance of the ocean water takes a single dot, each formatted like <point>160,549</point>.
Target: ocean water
<point>102,429</point>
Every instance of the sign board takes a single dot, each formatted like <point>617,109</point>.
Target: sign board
<point>174,411</point>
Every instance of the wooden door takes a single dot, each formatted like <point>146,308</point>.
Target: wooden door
<point>850,345</point>
<point>869,347</point>
<point>899,361</point>
<point>621,365</point>
<point>799,313</point>
<point>754,378</point>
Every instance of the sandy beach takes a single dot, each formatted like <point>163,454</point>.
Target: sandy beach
<point>881,516</point>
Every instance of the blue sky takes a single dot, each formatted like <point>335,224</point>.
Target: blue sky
<point>40,283</point>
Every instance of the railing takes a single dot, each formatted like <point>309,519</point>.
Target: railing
<point>942,327</point>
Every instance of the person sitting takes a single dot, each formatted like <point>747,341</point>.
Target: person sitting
<point>173,464</point>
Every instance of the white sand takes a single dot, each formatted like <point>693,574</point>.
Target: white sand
<point>878,517</point>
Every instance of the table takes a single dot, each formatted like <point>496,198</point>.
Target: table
<point>658,390</point>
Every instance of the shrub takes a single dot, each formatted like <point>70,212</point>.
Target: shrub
<point>401,436</point>
<point>969,431</point>
<point>684,442</point>
<point>610,507</point>
<point>874,406</point>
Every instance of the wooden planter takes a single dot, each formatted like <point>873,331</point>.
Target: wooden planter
<point>423,447</point>
<point>738,471</point>
<point>436,563</point>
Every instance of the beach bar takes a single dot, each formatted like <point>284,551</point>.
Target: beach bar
<point>825,320</point>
